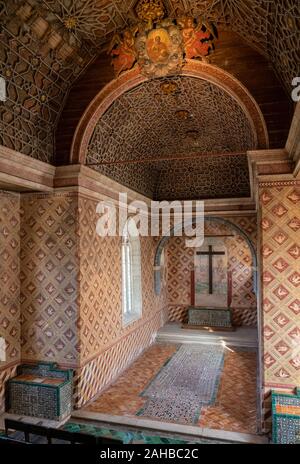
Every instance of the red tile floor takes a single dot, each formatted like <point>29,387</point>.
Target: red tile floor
<point>235,407</point>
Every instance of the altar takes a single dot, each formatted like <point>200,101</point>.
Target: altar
<point>209,318</point>
<point>211,288</point>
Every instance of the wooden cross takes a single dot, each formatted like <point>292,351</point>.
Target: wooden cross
<point>210,253</point>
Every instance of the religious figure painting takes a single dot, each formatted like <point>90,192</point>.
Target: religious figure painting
<point>158,45</point>
<point>160,50</point>
<point>122,51</point>
<point>196,41</point>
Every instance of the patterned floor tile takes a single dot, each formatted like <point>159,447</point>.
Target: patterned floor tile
<point>235,407</point>
<point>122,398</point>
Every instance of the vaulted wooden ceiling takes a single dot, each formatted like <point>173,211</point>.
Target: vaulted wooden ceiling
<point>47,66</point>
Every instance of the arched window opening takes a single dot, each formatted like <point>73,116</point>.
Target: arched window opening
<point>131,274</point>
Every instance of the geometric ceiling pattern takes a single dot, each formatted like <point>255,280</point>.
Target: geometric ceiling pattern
<point>167,144</point>
<point>147,123</point>
<point>39,67</point>
<point>46,45</point>
<point>209,177</point>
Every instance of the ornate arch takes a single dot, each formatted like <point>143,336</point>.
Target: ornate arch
<point>133,78</point>
<point>164,240</point>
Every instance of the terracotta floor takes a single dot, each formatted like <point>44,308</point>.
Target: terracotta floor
<point>235,407</point>
<point>122,398</point>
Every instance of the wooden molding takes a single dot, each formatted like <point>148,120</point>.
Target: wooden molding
<point>21,173</point>
<point>91,183</point>
<point>293,142</point>
<point>268,165</point>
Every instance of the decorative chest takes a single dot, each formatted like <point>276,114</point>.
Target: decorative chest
<point>41,390</point>
<point>286,418</point>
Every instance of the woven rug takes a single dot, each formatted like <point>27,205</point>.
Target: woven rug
<point>188,381</point>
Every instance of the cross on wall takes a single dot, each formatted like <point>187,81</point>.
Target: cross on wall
<point>210,253</point>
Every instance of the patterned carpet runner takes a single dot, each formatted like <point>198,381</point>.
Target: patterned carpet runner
<point>188,381</point>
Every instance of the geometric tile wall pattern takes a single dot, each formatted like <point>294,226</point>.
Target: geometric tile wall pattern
<point>71,285</point>
<point>100,319</point>
<point>180,262</point>
<point>280,229</point>
<point>9,276</point>
<point>106,348</point>
<point>202,178</point>
<point>49,277</point>
<point>267,406</point>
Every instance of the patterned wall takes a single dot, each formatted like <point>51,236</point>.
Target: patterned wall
<point>105,346</point>
<point>49,277</point>
<point>180,262</point>
<point>71,291</point>
<point>9,286</point>
<point>204,177</point>
<point>9,275</point>
<point>280,226</point>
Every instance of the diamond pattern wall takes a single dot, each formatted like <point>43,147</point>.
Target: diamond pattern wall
<point>9,275</point>
<point>9,286</point>
<point>105,346</point>
<point>71,288</point>
<point>49,277</point>
<point>280,225</point>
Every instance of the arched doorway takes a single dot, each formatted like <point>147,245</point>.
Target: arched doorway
<point>239,232</point>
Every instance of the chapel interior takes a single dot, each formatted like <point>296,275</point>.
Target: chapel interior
<point>142,338</point>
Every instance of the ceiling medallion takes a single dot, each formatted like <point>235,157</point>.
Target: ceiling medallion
<point>160,50</point>
<point>159,45</point>
<point>70,22</point>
